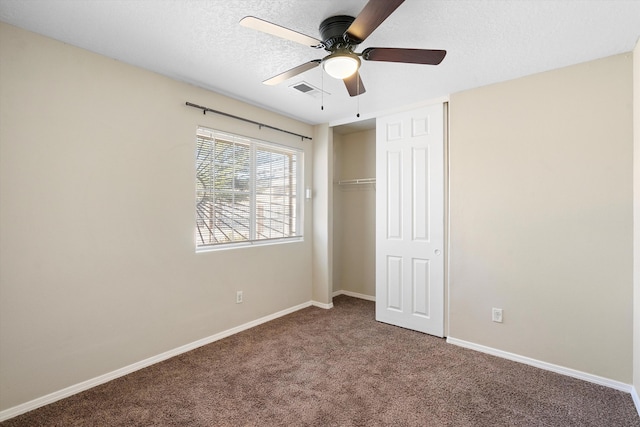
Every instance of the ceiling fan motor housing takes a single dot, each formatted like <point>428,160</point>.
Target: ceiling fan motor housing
<point>332,31</point>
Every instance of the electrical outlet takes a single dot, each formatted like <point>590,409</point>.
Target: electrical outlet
<point>496,315</point>
<point>239,297</point>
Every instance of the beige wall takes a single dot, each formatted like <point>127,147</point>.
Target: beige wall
<point>354,214</point>
<point>322,214</point>
<point>337,212</point>
<point>636,221</point>
<point>541,216</point>
<point>98,268</point>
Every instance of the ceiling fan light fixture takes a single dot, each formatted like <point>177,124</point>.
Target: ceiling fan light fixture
<point>341,65</point>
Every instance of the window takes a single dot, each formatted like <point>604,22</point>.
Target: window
<point>246,190</point>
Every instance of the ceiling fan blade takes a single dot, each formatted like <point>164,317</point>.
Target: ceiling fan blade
<point>411,56</point>
<point>370,18</point>
<point>292,72</point>
<point>354,84</point>
<point>276,30</point>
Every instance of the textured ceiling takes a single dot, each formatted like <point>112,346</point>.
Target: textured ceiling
<point>200,42</point>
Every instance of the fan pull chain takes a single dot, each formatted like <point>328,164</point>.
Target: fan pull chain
<point>322,89</point>
<point>358,93</point>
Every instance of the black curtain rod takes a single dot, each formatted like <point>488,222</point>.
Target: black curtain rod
<point>205,109</point>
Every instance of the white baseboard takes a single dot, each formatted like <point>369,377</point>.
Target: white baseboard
<point>636,398</point>
<point>322,305</point>
<point>546,366</point>
<point>85,385</point>
<point>355,295</point>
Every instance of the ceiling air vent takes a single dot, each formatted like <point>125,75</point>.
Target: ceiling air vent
<point>303,87</point>
<point>308,89</point>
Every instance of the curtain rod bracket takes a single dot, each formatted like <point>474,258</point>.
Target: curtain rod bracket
<point>260,125</point>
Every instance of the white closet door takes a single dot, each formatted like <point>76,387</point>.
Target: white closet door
<point>410,219</point>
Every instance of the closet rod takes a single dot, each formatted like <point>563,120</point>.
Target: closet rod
<point>205,109</point>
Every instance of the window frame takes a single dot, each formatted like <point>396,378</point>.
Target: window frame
<point>254,144</point>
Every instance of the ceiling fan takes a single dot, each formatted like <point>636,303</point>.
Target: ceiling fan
<point>340,36</point>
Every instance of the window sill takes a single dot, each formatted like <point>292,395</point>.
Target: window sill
<point>240,245</point>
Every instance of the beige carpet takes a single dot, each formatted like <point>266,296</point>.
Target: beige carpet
<point>338,367</point>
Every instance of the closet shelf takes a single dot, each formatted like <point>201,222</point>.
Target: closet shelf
<point>357,181</point>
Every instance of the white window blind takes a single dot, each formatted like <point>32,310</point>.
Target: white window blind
<point>246,190</point>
